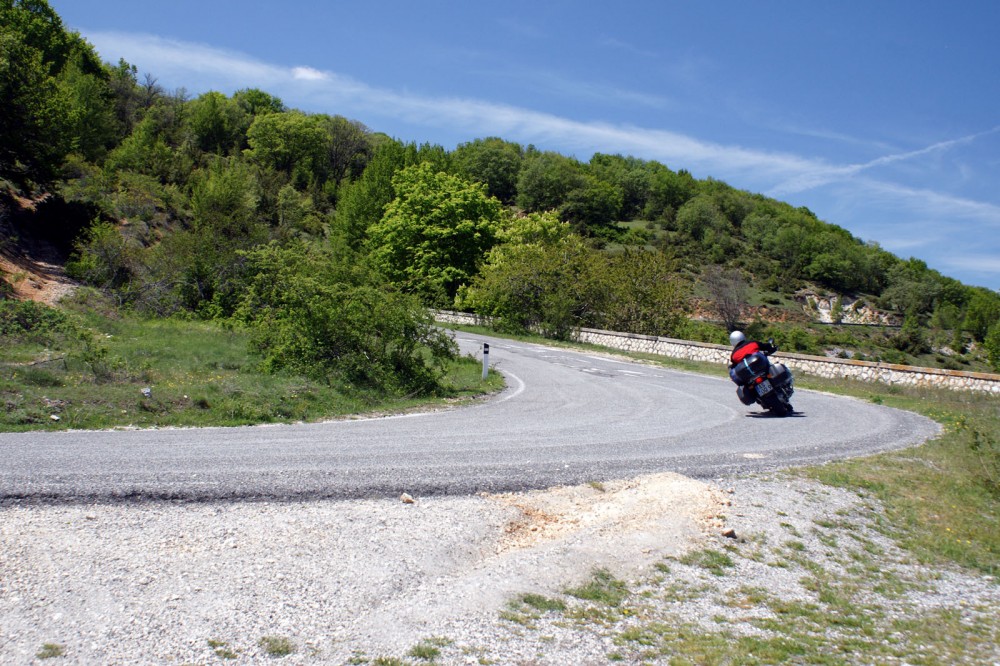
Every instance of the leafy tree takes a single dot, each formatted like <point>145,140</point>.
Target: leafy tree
<point>541,286</point>
<point>992,346</point>
<point>105,259</point>
<point>594,204</point>
<point>310,313</point>
<point>435,233</point>
<point>294,143</point>
<point>34,132</point>
<point>493,162</point>
<point>226,220</point>
<point>699,216</point>
<point>983,313</point>
<point>642,294</point>
<point>668,191</point>
<point>91,121</point>
<point>546,180</point>
<point>256,102</point>
<point>218,123</point>
<point>362,203</point>
<point>349,148</point>
<point>39,28</point>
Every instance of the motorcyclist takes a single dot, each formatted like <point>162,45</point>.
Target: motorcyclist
<point>743,347</point>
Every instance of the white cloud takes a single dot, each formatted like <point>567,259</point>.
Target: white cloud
<point>309,74</point>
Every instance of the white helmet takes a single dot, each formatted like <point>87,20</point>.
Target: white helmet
<point>736,337</point>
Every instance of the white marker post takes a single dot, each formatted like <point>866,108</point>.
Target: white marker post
<point>486,360</point>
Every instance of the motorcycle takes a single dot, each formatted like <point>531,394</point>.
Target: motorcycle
<point>768,384</point>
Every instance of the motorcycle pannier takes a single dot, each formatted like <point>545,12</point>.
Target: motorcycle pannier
<point>748,368</point>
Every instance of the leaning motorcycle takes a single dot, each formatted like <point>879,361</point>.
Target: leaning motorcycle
<point>768,384</point>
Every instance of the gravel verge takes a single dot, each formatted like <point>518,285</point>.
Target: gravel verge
<point>358,581</point>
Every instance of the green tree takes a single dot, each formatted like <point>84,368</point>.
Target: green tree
<point>593,205</point>
<point>293,143</point>
<point>362,203</point>
<point>992,346</point>
<point>349,148</point>
<point>546,180</point>
<point>494,162</point>
<point>435,234</point>
<point>543,286</point>
<point>642,293</point>
<point>983,313</point>
<point>313,314</point>
<point>218,123</point>
<point>34,123</point>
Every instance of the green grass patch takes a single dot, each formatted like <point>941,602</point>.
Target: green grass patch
<point>196,373</point>
<point>715,562</point>
<point>277,646</point>
<point>603,588</point>
<point>51,651</point>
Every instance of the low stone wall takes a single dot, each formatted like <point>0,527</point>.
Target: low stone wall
<point>831,368</point>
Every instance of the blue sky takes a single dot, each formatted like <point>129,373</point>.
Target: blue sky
<point>881,116</point>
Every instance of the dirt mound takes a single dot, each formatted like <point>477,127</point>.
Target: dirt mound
<point>32,265</point>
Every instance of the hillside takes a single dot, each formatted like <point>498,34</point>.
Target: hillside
<point>177,205</point>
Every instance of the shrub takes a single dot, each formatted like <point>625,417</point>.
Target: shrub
<point>28,321</point>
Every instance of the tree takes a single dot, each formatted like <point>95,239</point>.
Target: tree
<point>642,294</point>
<point>34,125</point>
<point>594,204</point>
<point>494,162</point>
<point>434,235</point>
<point>983,313</point>
<point>310,313</point>
<point>729,293</point>
<point>546,180</point>
<point>218,123</point>
<point>293,142</point>
<point>362,203</point>
<point>542,286</point>
<point>992,345</point>
<point>349,148</point>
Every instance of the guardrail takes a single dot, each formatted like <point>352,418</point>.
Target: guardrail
<point>821,366</point>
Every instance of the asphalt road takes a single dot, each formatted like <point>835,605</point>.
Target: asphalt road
<point>567,417</point>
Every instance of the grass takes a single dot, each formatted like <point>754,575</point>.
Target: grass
<point>196,373</point>
<point>51,651</point>
<point>277,646</point>
<point>603,588</point>
<point>713,561</point>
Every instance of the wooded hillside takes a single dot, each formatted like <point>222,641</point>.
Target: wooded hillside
<point>293,223</point>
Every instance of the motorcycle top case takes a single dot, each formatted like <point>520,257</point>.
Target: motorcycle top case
<point>748,368</point>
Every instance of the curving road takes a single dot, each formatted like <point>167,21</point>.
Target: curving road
<point>567,417</point>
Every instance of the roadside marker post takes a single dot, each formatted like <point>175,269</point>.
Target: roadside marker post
<point>486,359</point>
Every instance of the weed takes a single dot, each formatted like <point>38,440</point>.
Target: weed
<point>388,661</point>
<point>542,603</point>
<point>713,561</point>
<point>603,588</point>
<point>429,649</point>
<point>51,651</point>
<point>277,646</point>
<point>222,649</point>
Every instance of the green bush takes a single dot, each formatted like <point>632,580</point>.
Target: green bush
<point>315,314</point>
<point>28,321</point>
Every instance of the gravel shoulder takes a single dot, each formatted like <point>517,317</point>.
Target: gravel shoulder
<point>352,581</point>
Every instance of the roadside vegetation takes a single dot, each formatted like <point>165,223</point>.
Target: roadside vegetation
<point>86,366</point>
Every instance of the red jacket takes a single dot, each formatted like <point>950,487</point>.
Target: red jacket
<point>743,350</point>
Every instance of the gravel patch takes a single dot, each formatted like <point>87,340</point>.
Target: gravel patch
<point>352,581</point>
